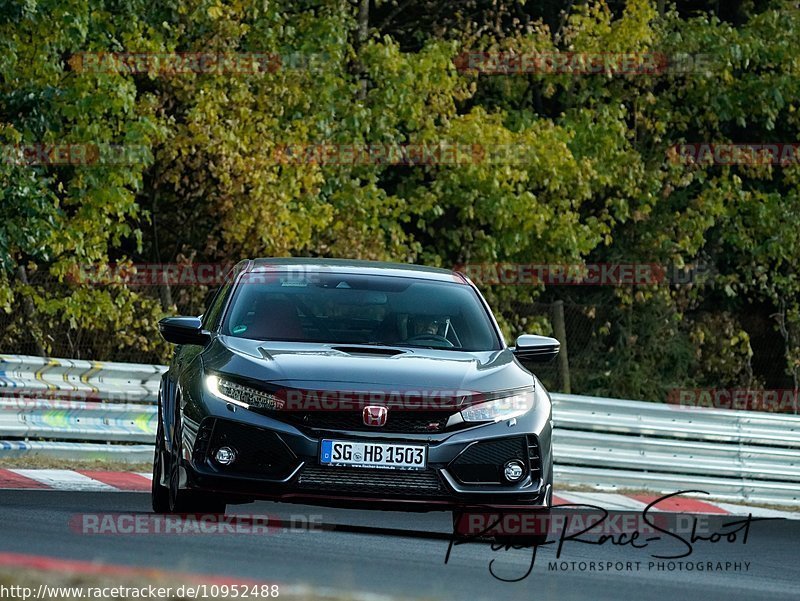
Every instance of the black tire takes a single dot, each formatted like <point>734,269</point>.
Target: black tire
<point>159,494</point>
<point>187,501</point>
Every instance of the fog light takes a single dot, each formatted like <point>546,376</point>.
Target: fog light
<point>225,456</point>
<point>513,470</point>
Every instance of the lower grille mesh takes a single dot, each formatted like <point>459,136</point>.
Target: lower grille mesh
<point>370,481</point>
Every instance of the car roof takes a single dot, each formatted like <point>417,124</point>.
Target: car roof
<point>355,266</point>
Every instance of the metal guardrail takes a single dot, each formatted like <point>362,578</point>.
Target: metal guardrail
<point>591,449</point>
<point>72,451</point>
<point>74,410</point>
<point>675,421</point>
<point>68,420</point>
<point>615,444</point>
<point>608,444</point>
<point>131,382</point>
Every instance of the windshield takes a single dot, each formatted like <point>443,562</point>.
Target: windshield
<point>359,309</point>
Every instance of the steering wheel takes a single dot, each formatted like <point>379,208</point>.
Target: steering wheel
<point>436,337</point>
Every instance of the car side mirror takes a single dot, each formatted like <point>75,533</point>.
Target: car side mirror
<point>183,330</point>
<point>538,349</point>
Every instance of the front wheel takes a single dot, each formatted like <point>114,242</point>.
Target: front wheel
<point>187,501</point>
<point>159,494</point>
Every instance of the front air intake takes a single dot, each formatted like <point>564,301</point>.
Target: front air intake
<point>534,457</point>
<point>484,462</point>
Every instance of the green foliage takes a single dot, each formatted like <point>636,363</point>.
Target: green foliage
<point>564,167</point>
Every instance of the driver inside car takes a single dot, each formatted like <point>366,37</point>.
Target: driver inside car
<point>426,326</point>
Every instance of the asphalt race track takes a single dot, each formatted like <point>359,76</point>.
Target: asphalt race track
<point>396,554</point>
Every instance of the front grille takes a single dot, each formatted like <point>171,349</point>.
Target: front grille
<point>258,452</point>
<point>386,483</point>
<point>483,462</point>
<point>404,422</point>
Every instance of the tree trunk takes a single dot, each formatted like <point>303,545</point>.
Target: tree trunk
<point>560,331</point>
<point>30,314</point>
<point>363,33</point>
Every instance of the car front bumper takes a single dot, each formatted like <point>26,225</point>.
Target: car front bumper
<point>277,461</point>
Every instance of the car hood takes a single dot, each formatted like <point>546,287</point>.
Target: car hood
<point>345,367</point>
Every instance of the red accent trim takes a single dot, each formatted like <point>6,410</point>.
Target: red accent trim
<point>294,497</point>
<point>53,564</point>
<point>401,501</point>
<point>681,504</point>
<point>9,479</point>
<point>559,501</point>
<point>120,480</point>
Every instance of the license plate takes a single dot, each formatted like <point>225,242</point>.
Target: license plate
<point>372,454</point>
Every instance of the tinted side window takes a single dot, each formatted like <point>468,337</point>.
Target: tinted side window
<point>212,315</point>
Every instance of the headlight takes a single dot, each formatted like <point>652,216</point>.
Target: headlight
<point>243,396</point>
<point>507,407</point>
